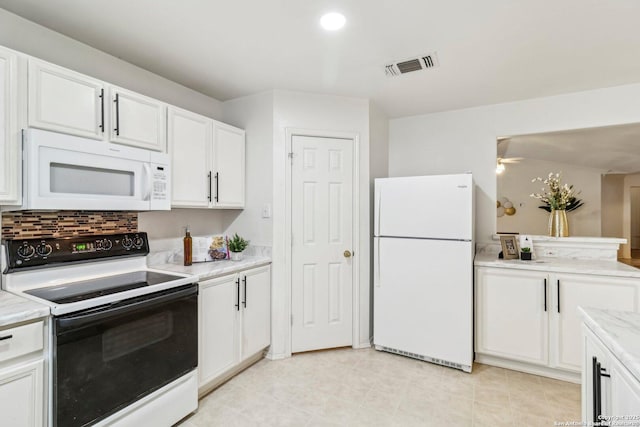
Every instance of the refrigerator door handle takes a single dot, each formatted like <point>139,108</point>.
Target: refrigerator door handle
<point>378,211</point>
<point>376,256</point>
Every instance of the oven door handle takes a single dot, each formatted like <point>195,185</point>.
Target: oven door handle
<point>66,323</point>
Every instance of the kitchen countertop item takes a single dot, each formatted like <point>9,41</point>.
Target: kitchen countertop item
<point>16,309</point>
<point>207,270</point>
<point>619,332</point>
<point>561,265</point>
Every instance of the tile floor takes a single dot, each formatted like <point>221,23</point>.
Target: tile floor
<point>348,387</point>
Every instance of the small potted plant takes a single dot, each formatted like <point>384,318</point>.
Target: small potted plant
<point>525,254</point>
<point>236,245</point>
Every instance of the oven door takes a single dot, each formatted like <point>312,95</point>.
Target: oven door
<point>108,357</point>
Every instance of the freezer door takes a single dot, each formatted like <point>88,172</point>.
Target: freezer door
<point>439,207</point>
<point>423,298</point>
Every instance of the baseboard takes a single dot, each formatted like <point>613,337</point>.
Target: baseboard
<point>544,371</point>
<point>364,344</point>
<point>227,375</point>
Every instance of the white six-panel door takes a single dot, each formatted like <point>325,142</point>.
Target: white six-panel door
<point>322,223</point>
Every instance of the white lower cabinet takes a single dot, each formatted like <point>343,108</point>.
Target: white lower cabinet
<point>22,375</point>
<point>531,317</point>
<point>234,321</point>
<point>581,290</point>
<point>511,315</point>
<point>608,388</point>
<point>21,394</point>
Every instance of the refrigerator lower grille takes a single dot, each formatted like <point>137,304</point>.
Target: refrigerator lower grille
<point>425,358</point>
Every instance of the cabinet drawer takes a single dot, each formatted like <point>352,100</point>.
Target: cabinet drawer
<point>21,340</point>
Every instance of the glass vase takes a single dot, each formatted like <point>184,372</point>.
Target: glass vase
<point>558,225</point>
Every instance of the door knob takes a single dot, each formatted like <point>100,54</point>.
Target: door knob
<point>347,254</point>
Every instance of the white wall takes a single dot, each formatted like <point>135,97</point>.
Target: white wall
<point>515,184</point>
<point>465,140</point>
<point>254,114</point>
<point>612,199</point>
<point>630,181</point>
<point>378,168</point>
<point>33,39</point>
<point>315,112</point>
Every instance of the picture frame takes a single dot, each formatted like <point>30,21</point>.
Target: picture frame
<point>509,245</point>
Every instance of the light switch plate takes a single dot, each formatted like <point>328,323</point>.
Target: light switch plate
<point>266,211</point>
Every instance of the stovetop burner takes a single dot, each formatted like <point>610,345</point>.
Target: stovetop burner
<point>94,288</point>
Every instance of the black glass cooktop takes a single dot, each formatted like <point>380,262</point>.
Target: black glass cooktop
<point>94,288</point>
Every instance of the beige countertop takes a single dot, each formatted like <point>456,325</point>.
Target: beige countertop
<point>16,309</point>
<point>205,270</point>
<point>561,265</point>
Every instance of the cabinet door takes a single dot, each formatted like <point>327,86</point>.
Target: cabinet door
<point>138,120</point>
<point>219,346</point>
<point>65,101</point>
<point>9,136</point>
<point>625,394</point>
<point>511,320</point>
<point>595,352</point>
<point>256,306</point>
<point>569,291</point>
<point>228,166</point>
<point>190,141</point>
<point>21,395</point>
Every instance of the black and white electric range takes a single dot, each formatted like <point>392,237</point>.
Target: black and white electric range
<point>123,341</point>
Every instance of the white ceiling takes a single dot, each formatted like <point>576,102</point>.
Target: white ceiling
<point>490,51</point>
<point>613,149</point>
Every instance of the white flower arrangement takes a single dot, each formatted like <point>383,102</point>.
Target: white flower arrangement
<point>556,195</point>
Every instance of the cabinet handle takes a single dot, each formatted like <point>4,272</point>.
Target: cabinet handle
<point>238,294</point>
<point>209,178</point>
<point>558,290</point>
<point>102,110</point>
<point>595,382</point>
<point>117,128</point>
<point>545,294</point>
<point>244,281</point>
<point>217,190</point>
<point>6,337</point>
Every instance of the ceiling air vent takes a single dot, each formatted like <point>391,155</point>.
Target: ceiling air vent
<point>410,65</point>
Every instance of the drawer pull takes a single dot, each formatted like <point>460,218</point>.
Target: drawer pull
<point>6,337</point>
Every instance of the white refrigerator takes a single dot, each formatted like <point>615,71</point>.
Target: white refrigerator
<point>423,268</point>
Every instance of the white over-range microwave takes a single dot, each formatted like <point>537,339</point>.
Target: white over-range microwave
<point>63,172</point>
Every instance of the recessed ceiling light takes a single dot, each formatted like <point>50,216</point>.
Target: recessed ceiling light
<point>332,21</point>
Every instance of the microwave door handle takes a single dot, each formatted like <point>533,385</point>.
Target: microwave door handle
<point>146,179</point>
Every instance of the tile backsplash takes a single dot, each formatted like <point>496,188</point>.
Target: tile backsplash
<point>36,224</point>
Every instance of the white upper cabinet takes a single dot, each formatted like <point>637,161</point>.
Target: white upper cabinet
<point>190,149</point>
<point>137,120</point>
<point>9,133</point>
<point>65,101</point>
<point>228,164</point>
<point>208,161</point>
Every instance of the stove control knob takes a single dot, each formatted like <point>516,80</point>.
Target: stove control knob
<point>138,242</point>
<point>106,244</point>
<point>44,250</point>
<point>26,250</point>
<point>127,242</point>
